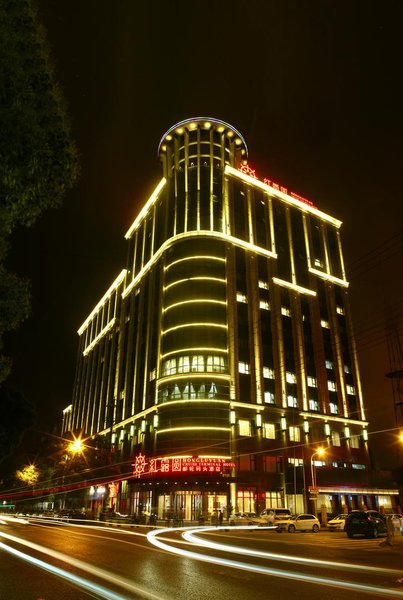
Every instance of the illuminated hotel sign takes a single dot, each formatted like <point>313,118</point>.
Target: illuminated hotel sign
<point>252,173</point>
<point>175,465</point>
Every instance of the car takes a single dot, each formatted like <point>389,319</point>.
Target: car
<point>279,514</point>
<point>397,519</point>
<point>368,523</point>
<point>337,523</point>
<point>70,515</point>
<point>245,518</point>
<point>302,522</point>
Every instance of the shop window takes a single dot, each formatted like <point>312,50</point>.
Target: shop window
<point>244,427</point>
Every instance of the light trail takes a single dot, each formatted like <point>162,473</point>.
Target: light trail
<point>79,564</point>
<point>294,575</point>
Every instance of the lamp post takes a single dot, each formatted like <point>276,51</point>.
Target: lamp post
<point>319,452</point>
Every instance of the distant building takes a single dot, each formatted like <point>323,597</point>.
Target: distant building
<point>222,357</point>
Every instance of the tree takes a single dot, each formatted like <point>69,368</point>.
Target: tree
<point>38,159</point>
<point>17,415</point>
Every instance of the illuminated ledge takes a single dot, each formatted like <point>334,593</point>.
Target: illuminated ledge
<point>204,278</point>
<point>146,207</point>
<point>348,490</point>
<point>196,257</point>
<point>196,349</point>
<point>104,298</point>
<point>256,407</point>
<point>289,199</point>
<point>68,409</point>
<point>193,429</point>
<point>193,401</point>
<point>220,325</point>
<point>193,375</point>
<point>344,420</point>
<point>293,286</point>
<point>94,342</point>
<point>196,301</point>
<point>328,277</point>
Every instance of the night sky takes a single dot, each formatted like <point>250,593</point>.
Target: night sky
<point>314,87</point>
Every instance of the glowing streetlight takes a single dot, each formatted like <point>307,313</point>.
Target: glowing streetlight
<point>76,446</point>
<point>401,436</point>
<point>319,452</point>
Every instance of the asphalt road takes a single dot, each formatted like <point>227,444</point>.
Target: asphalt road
<point>79,562</point>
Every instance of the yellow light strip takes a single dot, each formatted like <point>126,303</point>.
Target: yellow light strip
<point>192,375</point>
<point>254,407</point>
<point>328,277</point>
<point>189,235</point>
<point>214,456</point>
<point>294,286</point>
<point>194,279</point>
<point>198,257</point>
<point>197,301</point>
<point>193,325</point>
<point>99,336</point>
<point>104,298</point>
<point>348,490</point>
<point>285,197</point>
<point>197,349</point>
<point>193,429</point>
<point>146,207</point>
<point>193,401</point>
<point>345,420</point>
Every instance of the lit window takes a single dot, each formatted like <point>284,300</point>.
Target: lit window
<point>268,373</point>
<point>317,262</point>
<point>264,305</point>
<point>354,441</point>
<point>334,409</point>
<point>319,463</point>
<point>244,427</point>
<point>193,394</point>
<point>313,404</point>
<point>335,438</point>
<point>329,364</point>
<point>269,431</point>
<point>269,397</point>
<point>350,390</point>
<point>153,374</point>
<point>324,324</point>
<point>198,363</point>
<point>294,434</point>
<point>285,311</point>
<point>183,364</point>
<point>243,367</point>
<point>358,467</point>
<point>290,377</point>
<point>263,285</point>
<point>292,402</point>
<point>241,298</point>
<point>297,462</point>
<point>169,367</point>
<point>340,310</point>
<point>176,392</point>
<point>312,381</point>
<point>213,391</point>
<point>215,364</point>
<point>347,369</point>
<point>331,386</point>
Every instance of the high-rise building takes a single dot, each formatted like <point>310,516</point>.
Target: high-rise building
<point>222,357</point>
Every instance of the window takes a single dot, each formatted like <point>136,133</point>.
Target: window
<point>241,298</point>
<point>350,390</point>
<point>358,467</point>
<point>313,404</point>
<point>334,409</point>
<point>153,374</point>
<point>268,373</point>
<point>213,391</point>
<point>312,381</point>
<point>347,369</point>
<point>292,402</point>
<point>325,324</point>
<point>317,262</point>
<point>329,364</point>
<point>331,386</point>
<point>336,438</point>
<point>183,364</point>
<point>297,462</point>
<point>294,434</point>
<point>263,285</point>
<point>169,367</point>
<point>340,310</point>
<point>176,392</point>
<point>243,367</point>
<point>285,311</point>
<point>269,397</point>
<point>354,441</point>
<point>198,363</point>
<point>264,305</point>
<point>290,377</point>
<point>215,364</point>
<point>269,431</point>
<point>244,427</point>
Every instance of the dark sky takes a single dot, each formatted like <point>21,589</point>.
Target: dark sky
<point>314,87</point>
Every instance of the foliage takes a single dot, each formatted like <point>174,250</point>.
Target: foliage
<point>38,160</point>
<point>17,415</point>
<point>29,474</point>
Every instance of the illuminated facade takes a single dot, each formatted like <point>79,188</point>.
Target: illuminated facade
<point>222,356</point>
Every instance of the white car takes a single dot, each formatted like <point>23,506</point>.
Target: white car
<point>246,518</point>
<point>301,522</point>
<point>337,523</point>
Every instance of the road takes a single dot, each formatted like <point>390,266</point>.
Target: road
<point>42,560</point>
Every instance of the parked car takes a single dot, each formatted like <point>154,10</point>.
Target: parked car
<point>301,522</point>
<point>245,518</point>
<point>337,523</point>
<point>279,513</point>
<point>369,523</point>
<point>70,515</point>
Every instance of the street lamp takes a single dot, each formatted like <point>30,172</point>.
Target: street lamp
<point>319,452</point>
<point>76,446</point>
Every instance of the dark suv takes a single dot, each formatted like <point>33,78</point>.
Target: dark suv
<point>369,523</point>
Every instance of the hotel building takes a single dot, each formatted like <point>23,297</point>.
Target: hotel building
<point>222,357</point>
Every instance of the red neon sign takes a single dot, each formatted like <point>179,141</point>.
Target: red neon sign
<point>252,173</point>
<point>173,466</point>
